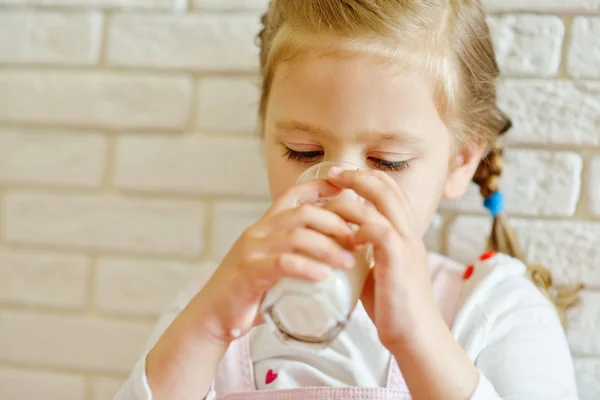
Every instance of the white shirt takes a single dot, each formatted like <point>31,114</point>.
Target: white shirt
<point>509,330</point>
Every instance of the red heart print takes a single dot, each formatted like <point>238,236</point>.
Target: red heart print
<point>271,376</point>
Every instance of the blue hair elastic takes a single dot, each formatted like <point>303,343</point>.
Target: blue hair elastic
<point>495,203</point>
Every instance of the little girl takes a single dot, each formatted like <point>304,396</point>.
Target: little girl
<point>406,90</point>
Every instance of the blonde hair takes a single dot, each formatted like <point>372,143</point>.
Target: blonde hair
<point>449,39</point>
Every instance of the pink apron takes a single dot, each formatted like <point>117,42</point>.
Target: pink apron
<point>235,381</point>
<point>235,376</point>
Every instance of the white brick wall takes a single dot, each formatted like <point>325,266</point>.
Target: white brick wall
<point>583,60</point>
<point>95,99</point>
<point>528,44</point>
<point>52,158</point>
<point>50,37</point>
<point>235,165</point>
<point>21,384</point>
<point>200,42</point>
<point>118,137</point>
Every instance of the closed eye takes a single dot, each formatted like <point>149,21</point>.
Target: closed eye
<point>378,163</point>
<point>303,156</point>
<point>392,166</point>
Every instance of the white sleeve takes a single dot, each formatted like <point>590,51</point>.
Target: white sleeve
<point>136,387</point>
<point>526,355</point>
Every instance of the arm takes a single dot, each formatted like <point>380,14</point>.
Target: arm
<point>139,383</point>
<point>523,346</point>
<point>528,357</point>
<point>525,354</point>
<point>288,241</point>
<point>184,361</point>
<point>434,366</point>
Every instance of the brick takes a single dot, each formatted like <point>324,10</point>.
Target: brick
<point>144,4</point>
<point>180,165</point>
<point>85,343</point>
<point>42,279</point>
<point>105,388</point>
<point>588,378</point>
<point>95,99</point>
<point>50,37</point>
<point>561,6</point>
<point>231,4</point>
<point>563,246</point>
<point>228,105</point>
<point>552,112</point>
<point>528,44</point>
<point>142,287</point>
<point>583,325</point>
<point>584,53</point>
<point>230,219</point>
<point>105,223</point>
<point>594,186</point>
<point>20,384</point>
<point>192,42</point>
<point>51,158</point>
<point>550,187</point>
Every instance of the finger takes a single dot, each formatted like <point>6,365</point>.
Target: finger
<point>385,241</point>
<point>292,265</point>
<point>355,213</point>
<point>313,217</point>
<point>315,245</point>
<point>377,192</point>
<point>387,180</point>
<point>308,192</point>
<point>402,197</point>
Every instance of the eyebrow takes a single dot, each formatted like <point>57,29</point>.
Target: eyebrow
<point>377,136</point>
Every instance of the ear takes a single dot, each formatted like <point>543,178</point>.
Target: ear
<point>462,168</point>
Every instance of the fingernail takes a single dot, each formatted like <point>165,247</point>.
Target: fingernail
<point>349,259</point>
<point>335,171</point>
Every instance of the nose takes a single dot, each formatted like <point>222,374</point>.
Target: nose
<point>321,170</point>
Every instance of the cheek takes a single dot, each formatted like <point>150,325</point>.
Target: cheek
<point>423,188</point>
<point>281,174</point>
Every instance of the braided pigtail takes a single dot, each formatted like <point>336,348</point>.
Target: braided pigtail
<point>503,238</point>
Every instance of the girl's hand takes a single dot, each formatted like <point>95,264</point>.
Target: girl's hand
<point>398,294</point>
<point>290,240</point>
<point>293,239</point>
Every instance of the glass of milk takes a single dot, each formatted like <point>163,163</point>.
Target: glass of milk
<point>315,313</point>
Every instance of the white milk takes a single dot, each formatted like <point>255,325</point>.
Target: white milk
<point>315,313</point>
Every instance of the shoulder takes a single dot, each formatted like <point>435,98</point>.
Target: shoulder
<point>498,284</point>
<point>512,332</point>
<point>497,300</point>
<point>492,285</point>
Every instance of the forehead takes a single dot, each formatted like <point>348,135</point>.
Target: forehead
<point>353,93</point>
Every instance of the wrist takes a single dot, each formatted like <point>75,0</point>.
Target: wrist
<point>423,325</point>
<point>185,359</point>
<point>206,322</point>
<point>435,365</point>
<point>419,340</point>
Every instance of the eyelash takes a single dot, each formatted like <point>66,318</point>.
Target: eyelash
<point>310,156</point>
